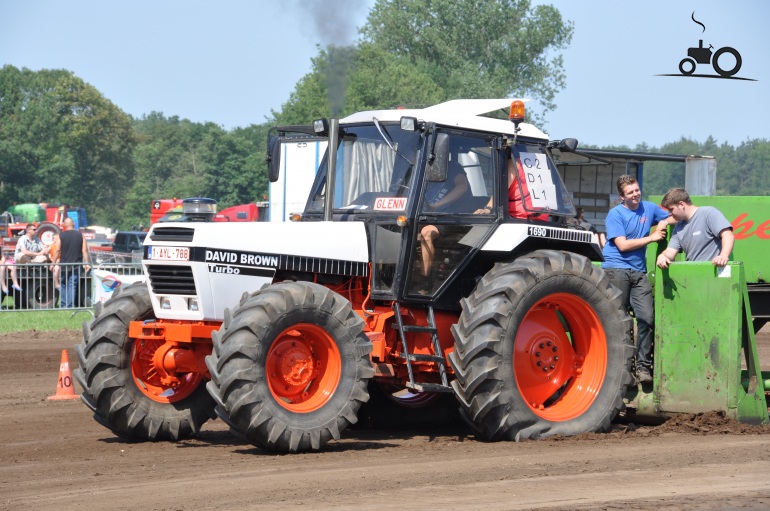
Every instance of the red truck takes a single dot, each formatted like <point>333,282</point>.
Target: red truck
<point>170,210</point>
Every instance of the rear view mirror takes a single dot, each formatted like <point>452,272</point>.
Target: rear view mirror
<point>439,159</point>
<point>273,158</point>
<point>568,145</point>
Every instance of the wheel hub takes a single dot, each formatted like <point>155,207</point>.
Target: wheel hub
<point>149,360</point>
<point>544,356</point>
<point>294,363</point>
<point>303,367</point>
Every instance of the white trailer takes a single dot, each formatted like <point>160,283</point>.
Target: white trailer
<point>300,160</point>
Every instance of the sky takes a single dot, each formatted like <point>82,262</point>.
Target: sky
<point>233,62</point>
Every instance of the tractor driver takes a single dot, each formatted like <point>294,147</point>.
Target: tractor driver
<point>515,203</point>
<point>442,197</point>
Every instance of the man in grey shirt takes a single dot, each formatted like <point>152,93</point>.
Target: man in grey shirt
<point>703,233</point>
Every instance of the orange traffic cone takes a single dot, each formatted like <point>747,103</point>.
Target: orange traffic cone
<point>64,389</point>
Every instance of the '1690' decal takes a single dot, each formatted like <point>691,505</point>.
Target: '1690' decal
<point>560,234</point>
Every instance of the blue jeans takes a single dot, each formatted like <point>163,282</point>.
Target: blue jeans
<point>637,293</point>
<point>70,278</point>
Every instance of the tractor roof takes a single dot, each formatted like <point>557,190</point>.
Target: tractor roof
<point>460,113</point>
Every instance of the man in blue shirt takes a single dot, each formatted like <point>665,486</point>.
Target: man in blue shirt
<point>628,234</point>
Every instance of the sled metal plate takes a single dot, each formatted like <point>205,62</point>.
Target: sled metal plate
<point>701,338</point>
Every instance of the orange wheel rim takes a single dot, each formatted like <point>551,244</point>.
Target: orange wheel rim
<point>303,368</point>
<point>151,381</point>
<point>560,357</point>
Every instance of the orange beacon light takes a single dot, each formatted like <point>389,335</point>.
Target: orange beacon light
<point>517,112</point>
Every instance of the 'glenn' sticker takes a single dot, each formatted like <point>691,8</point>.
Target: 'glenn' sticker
<point>390,204</point>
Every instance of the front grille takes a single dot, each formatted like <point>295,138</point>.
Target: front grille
<point>184,234</point>
<point>171,280</point>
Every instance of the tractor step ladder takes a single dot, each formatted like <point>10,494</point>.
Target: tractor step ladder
<point>439,360</point>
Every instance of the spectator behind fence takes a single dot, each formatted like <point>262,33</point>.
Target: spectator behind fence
<point>72,253</point>
<point>52,254</point>
<point>29,248</point>
<point>6,262</point>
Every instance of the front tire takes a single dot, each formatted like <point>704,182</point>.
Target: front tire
<point>687,66</point>
<point>542,348</point>
<point>118,380</point>
<point>289,369</point>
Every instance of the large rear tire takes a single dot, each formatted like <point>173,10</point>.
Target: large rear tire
<point>289,369</point>
<point>542,348</point>
<point>47,232</point>
<point>39,290</point>
<point>118,380</point>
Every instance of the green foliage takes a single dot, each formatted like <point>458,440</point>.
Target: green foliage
<point>179,158</point>
<point>479,49</point>
<point>61,141</point>
<point>384,80</point>
<point>744,170</point>
<point>419,53</point>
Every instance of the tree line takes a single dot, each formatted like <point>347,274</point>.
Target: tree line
<point>741,170</point>
<point>62,141</point>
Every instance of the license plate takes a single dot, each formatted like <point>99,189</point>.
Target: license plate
<point>170,253</point>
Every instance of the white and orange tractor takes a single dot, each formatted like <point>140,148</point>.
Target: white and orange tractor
<point>406,282</point>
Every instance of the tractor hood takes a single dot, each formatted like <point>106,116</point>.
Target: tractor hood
<point>197,270</point>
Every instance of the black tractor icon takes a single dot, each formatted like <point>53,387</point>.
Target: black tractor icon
<point>701,55</point>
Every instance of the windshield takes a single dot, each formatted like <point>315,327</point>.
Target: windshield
<point>371,176</point>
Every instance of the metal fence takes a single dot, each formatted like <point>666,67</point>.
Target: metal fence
<point>41,286</point>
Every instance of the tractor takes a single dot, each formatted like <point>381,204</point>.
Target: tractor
<point>380,288</point>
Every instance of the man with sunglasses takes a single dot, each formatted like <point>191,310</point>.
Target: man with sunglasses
<point>29,248</point>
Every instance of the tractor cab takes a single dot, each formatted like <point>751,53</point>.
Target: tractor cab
<point>431,194</point>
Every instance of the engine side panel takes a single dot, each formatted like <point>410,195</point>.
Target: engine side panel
<point>197,276</point>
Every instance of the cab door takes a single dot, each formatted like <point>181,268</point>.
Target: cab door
<point>451,221</point>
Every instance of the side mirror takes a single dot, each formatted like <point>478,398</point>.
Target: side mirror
<point>568,145</point>
<point>439,159</point>
<point>273,158</point>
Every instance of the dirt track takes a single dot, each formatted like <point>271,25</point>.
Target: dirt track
<point>54,456</point>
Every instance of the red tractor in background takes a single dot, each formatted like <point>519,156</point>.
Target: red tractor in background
<point>170,210</point>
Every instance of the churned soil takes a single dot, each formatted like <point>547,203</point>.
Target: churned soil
<point>54,456</point>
